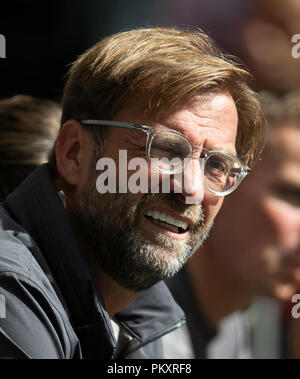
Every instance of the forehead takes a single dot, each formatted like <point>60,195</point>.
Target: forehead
<point>286,138</point>
<point>210,121</point>
<point>283,154</point>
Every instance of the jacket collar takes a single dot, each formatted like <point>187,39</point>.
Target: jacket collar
<point>37,207</point>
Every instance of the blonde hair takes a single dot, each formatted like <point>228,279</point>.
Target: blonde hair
<point>280,108</point>
<point>28,129</point>
<point>159,70</point>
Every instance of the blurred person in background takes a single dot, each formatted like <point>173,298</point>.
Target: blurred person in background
<point>253,250</point>
<point>265,44</point>
<point>28,128</point>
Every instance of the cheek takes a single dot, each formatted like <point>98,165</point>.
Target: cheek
<point>285,222</point>
<point>240,230</point>
<point>88,171</point>
<point>211,206</point>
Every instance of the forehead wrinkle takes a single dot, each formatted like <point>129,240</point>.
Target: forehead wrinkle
<point>208,117</point>
<point>284,145</point>
<point>201,135</point>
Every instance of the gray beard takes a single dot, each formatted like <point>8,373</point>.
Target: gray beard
<point>109,228</point>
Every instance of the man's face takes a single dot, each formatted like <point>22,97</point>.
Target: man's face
<point>133,236</point>
<point>256,239</point>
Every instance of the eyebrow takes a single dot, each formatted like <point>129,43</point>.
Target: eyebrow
<point>231,152</point>
<point>289,185</point>
<point>147,128</point>
<point>220,148</point>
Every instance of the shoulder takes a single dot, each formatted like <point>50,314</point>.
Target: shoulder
<point>36,324</point>
<point>33,323</point>
<point>17,249</point>
<point>17,258</point>
<point>14,254</point>
<point>14,243</point>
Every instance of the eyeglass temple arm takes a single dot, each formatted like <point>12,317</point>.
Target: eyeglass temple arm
<point>118,124</point>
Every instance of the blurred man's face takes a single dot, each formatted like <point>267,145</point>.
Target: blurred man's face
<point>256,238</point>
<point>134,237</point>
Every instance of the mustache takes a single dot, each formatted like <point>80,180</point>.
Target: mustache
<point>193,212</point>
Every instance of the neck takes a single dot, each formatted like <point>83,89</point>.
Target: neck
<point>116,297</point>
<point>216,293</point>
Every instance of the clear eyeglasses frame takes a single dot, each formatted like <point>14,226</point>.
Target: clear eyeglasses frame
<point>169,152</point>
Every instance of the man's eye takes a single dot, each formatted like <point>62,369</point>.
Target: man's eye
<point>217,165</point>
<point>169,150</point>
<point>234,172</point>
<point>288,194</point>
<point>163,152</point>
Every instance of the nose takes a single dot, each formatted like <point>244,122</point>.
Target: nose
<point>284,219</point>
<point>291,230</point>
<point>190,183</point>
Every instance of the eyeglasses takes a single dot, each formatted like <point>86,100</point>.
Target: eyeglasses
<point>169,152</point>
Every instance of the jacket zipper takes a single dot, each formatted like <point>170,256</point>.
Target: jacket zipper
<point>126,350</point>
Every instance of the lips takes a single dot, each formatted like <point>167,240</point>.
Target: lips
<point>166,221</point>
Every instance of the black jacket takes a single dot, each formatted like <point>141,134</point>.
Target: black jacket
<point>53,307</point>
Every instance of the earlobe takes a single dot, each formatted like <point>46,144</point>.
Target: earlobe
<point>68,146</point>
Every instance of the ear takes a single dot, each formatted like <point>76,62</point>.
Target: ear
<point>73,152</point>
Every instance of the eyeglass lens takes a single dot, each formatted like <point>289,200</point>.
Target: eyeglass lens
<point>170,152</point>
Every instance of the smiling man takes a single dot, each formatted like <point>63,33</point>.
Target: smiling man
<point>82,271</point>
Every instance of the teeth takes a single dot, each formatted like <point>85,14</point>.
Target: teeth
<point>155,215</point>
<point>168,219</point>
<point>163,217</point>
